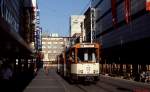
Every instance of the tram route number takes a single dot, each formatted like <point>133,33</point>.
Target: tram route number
<point>87,70</point>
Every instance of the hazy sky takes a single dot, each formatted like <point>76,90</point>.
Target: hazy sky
<point>54,14</point>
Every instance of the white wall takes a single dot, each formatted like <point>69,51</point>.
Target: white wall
<point>75,24</point>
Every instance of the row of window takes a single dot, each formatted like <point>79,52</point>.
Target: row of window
<point>52,42</point>
<point>52,39</point>
<point>52,51</point>
<point>55,47</point>
<point>7,12</point>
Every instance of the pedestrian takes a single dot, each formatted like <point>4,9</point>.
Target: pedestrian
<point>137,77</point>
<point>6,76</point>
<point>46,70</point>
<point>143,76</point>
<point>6,72</point>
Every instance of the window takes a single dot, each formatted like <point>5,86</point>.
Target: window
<point>93,57</point>
<point>43,47</point>
<point>49,51</point>
<point>43,52</point>
<point>87,55</point>
<point>43,42</point>
<point>55,42</point>
<point>49,47</point>
<point>61,47</point>
<point>44,38</point>
<point>49,42</point>
<point>73,56</point>
<point>54,51</point>
<point>61,43</point>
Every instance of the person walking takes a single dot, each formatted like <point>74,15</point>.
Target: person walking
<point>46,70</point>
<point>6,77</point>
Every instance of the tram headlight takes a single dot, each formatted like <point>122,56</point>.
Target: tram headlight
<point>81,71</point>
<point>95,71</point>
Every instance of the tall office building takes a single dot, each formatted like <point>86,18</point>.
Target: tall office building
<point>16,18</point>
<point>16,32</point>
<point>122,26</point>
<point>10,13</point>
<point>76,22</point>
<point>89,25</point>
<point>30,20</point>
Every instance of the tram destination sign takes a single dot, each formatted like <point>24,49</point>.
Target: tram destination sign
<point>87,45</point>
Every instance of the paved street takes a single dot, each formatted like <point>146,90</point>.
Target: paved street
<point>54,83</point>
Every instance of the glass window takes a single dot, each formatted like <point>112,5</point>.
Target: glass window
<point>49,46</point>
<point>43,42</point>
<point>93,57</point>
<point>43,47</point>
<point>54,51</point>
<point>87,54</point>
<point>61,43</point>
<point>49,42</point>
<point>44,38</point>
<point>55,42</point>
<point>55,47</point>
<point>49,51</point>
<point>43,52</point>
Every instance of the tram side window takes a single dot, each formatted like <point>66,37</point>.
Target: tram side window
<point>81,55</point>
<point>73,56</point>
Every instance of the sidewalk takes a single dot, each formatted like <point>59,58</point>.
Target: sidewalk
<point>45,83</point>
<point>124,83</point>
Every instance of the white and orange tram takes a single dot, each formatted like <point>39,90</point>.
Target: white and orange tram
<point>80,62</point>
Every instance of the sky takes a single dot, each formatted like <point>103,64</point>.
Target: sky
<point>55,14</point>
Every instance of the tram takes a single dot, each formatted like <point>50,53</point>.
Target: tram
<point>80,62</point>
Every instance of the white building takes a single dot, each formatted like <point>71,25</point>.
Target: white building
<point>54,35</point>
<point>76,24</point>
<point>52,46</point>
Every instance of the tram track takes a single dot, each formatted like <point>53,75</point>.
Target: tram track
<point>111,88</point>
<point>100,86</point>
<point>84,90</point>
<point>89,87</point>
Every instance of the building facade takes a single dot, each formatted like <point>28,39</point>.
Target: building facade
<point>52,46</point>
<point>10,11</point>
<point>30,21</point>
<point>122,26</point>
<point>16,20</point>
<point>76,22</point>
<point>89,25</point>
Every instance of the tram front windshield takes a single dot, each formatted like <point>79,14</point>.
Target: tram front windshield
<point>87,55</point>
